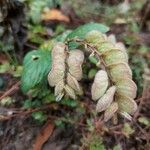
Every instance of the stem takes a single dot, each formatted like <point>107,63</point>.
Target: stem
<point>94,50</point>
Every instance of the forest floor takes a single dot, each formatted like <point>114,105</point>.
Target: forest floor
<point>72,125</point>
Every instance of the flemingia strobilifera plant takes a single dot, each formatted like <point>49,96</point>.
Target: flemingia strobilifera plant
<point>61,65</point>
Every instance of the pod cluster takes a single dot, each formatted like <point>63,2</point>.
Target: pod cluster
<point>113,87</point>
<point>66,71</point>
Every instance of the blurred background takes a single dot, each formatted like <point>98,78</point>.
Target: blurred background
<point>26,25</point>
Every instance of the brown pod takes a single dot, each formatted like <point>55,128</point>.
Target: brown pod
<point>58,64</point>
<point>59,87</point>
<point>75,61</point>
<point>99,85</point>
<point>126,115</point>
<point>110,111</point>
<point>112,38</point>
<point>73,83</point>
<point>126,104</point>
<point>119,71</point>
<point>121,46</point>
<point>95,37</point>
<point>126,87</point>
<point>105,101</point>
<point>59,96</point>
<point>114,56</point>
<point>70,92</point>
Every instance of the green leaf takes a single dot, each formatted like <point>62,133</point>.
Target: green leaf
<point>1,82</point>
<point>69,102</point>
<point>63,36</point>
<point>36,66</point>
<point>39,116</point>
<point>92,73</point>
<point>27,104</point>
<point>36,9</point>
<point>127,129</point>
<point>59,123</point>
<point>5,67</point>
<point>17,71</point>
<point>81,31</point>
<point>7,101</point>
<point>117,147</point>
<point>144,121</point>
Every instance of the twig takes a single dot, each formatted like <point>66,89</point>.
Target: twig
<point>14,88</point>
<point>24,113</point>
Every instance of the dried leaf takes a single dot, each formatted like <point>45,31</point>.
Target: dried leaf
<point>75,61</point>
<point>73,83</point>
<point>120,70</point>
<point>105,101</point>
<point>100,84</point>
<point>43,136</point>
<point>110,111</point>
<point>126,87</point>
<point>126,104</point>
<point>70,91</point>
<point>55,14</point>
<point>58,64</point>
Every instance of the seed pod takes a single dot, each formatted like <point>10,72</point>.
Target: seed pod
<point>73,83</point>
<point>100,84</point>
<point>105,46</point>
<point>112,38</point>
<point>110,111</point>
<point>120,70</point>
<point>121,46</point>
<point>58,64</point>
<point>59,87</point>
<point>126,87</point>
<point>70,91</point>
<point>126,104</point>
<point>75,61</point>
<point>126,115</point>
<point>59,96</point>
<point>95,37</point>
<point>114,56</point>
<point>105,101</point>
